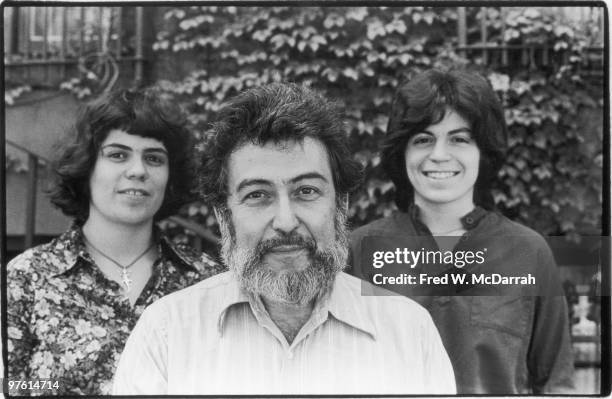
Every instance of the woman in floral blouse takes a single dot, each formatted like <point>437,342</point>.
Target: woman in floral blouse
<point>72,302</point>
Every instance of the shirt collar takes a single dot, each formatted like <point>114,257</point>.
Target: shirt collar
<point>469,220</point>
<point>343,303</point>
<point>232,295</point>
<point>185,257</point>
<point>70,247</point>
<point>348,305</point>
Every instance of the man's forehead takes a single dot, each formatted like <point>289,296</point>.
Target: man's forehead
<point>278,162</point>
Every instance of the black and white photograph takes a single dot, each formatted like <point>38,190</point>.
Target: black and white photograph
<point>313,199</point>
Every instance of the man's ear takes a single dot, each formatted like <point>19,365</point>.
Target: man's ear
<point>217,212</point>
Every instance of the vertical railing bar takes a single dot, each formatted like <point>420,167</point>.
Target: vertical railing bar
<point>27,17</point>
<point>139,47</point>
<point>64,42</point>
<point>100,29</point>
<point>524,53</point>
<point>8,49</point>
<point>30,225</point>
<point>602,27</point>
<point>461,30</point>
<point>15,30</point>
<point>483,35</point>
<point>81,38</point>
<point>119,31</point>
<point>45,43</point>
<point>82,31</point>
<point>502,14</point>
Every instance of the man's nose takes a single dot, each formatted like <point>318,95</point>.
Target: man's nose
<point>136,169</point>
<point>285,219</point>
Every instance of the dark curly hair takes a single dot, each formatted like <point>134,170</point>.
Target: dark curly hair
<point>421,102</point>
<point>274,113</point>
<point>141,112</point>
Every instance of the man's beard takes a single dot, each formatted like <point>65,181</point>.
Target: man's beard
<point>294,286</point>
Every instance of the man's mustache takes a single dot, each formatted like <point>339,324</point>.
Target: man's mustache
<point>265,246</point>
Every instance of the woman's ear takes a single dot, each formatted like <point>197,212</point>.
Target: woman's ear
<point>345,203</point>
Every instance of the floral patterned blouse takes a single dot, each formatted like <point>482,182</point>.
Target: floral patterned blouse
<point>67,322</point>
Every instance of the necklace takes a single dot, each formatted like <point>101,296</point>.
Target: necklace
<point>443,233</point>
<point>125,273</point>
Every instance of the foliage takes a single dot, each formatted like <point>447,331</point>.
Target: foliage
<point>98,73</point>
<point>13,93</point>
<point>358,55</point>
<point>552,179</point>
<point>78,87</point>
<point>13,162</point>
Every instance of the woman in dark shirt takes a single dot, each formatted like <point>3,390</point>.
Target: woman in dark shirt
<point>445,144</point>
<point>72,302</point>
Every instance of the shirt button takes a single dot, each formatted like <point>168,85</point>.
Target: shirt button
<point>290,355</point>
<point>442,300</point>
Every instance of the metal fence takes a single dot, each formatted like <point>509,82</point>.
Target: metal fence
<point>47,45</point>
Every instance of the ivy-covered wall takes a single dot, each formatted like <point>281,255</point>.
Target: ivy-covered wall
<point>553,175</point>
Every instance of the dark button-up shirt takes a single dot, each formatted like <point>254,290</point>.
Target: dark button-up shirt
<point>501,340</point>
<point>67,322</point>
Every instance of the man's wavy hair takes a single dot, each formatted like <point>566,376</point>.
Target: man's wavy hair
<point>276,112</point>
<point>141,112</point>
<point>423,101</point>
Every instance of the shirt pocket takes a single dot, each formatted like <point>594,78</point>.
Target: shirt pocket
<point>508,314</point>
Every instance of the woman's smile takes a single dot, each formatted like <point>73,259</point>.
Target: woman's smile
<point>442,162</point>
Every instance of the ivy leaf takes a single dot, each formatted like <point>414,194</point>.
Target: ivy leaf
<point>279,40</point>
<point>350,73</point>
<point>357,13</point>
<point>330,74</point>
<point>315,41</point>
<point>261,35</point>
<point>397,25</point>
<point>332,20</point>
<point>539,140</point>
<point>381,121</point>
<point>375,28</point>
<point>499,82</point>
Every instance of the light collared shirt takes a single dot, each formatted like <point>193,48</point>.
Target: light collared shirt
<point>213,338</point>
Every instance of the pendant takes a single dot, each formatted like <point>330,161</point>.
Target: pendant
<point>125,278</point>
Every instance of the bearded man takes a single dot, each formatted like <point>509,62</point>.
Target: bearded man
<point>285,319</point>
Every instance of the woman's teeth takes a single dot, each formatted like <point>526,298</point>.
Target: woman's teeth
<point>440,175</point>
<point>134,193</point>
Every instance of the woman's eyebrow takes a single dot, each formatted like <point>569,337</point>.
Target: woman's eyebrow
<point>460,130</point>
<point>117,145</point>
<point>156,149</point>
<point>128,148</point>
<point>464,129</point>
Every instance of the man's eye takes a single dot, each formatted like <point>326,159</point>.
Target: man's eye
<point>308,193</point>
<point>255,197</point>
